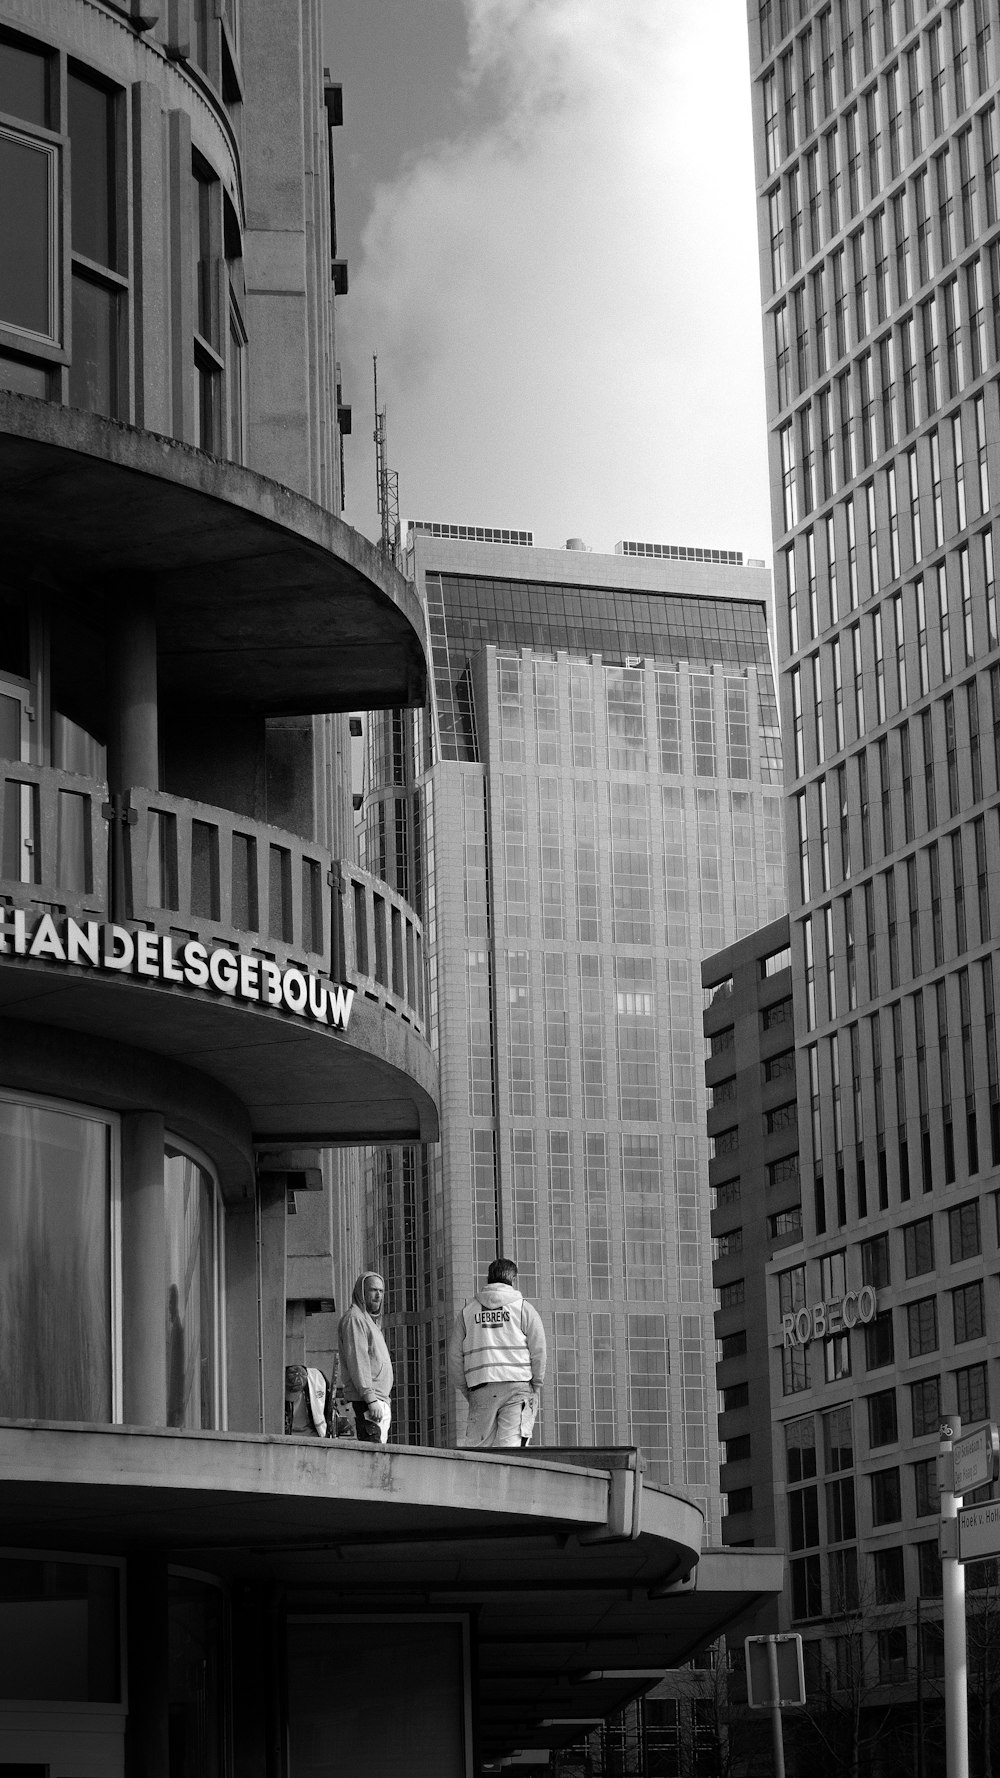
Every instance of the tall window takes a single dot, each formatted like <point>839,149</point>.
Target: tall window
<point>58,1262</point>
<point>99,289</point>
<point>192,1292</point>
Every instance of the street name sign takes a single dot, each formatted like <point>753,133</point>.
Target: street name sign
<point>976,1456</point>
<point>787,1669</point>
<point>979,1531</point>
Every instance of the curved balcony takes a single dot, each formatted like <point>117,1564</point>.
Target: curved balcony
<point>189,873</point>
<point>263,599</point>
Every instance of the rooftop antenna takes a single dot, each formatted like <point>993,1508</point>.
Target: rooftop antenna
<point>387,484</point>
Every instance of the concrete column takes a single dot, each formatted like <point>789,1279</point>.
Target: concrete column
<point>144,1270</point>
<point>133,733</point>
<point>147,1741</point>
<point>243,1368</point>
<point>273,1214</point>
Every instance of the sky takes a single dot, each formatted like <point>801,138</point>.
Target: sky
<point>547,210</point>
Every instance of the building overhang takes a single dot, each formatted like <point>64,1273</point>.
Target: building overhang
<point>264,600</point>
<point>297,1080</point>
<point>585,1583</point>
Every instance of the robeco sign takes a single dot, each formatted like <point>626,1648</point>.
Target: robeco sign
<point>822,1319</point>
<point>186,962</point>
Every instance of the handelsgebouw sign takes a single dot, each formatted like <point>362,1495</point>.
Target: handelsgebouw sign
<point>187,962</point>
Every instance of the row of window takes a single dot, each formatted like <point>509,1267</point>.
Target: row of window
<point>848,424</point>
<point>938,208</point>
<point>825,63</point>
<point>920,1117</point>
<point>927,910</point>
<point>74,342</point>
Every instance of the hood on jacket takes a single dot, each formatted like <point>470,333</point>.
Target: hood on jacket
<point>358,1295</point>
<point>498,1296</point>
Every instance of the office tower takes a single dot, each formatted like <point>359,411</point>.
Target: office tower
<point>878,155</point>
<point>595,805</point>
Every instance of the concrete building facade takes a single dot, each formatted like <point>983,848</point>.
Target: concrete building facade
<point>876,130</point>
<point>593,806</point>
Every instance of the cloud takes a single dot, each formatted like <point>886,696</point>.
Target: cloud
<point>564,298</point>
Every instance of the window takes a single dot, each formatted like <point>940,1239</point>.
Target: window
<point>794,1369</point>
<point>967,1309</point>
<point>875,1261</point>
<point>838,1440</point>
<point>807,1599</point>
<point>98,289</point>
<point>964,1232</point>
<point>879,1349</point>
<point>921,1320</point>
<point>926,1499</point>
<point>31,173</point>
<point>918,1247</point>
<point>191,1291</point>
<point>889,1587</point>
<point>882,1427</point>
<point>59,1195</point>
<point>208,347</point>
<point>887,1506</point>
<point>843,1572</point>
<point>925,1406</point>
<point>973,1393</point>
<point>892,1656</point>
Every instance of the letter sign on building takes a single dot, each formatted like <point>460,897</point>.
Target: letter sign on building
<point>800,1326</point>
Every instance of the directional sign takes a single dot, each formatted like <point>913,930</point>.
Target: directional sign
<point>979,1531</point>
<point>788,1670</point>
<point>976,1456</point>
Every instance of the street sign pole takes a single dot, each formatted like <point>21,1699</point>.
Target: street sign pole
<point>956,1708</point>
<point>776,1734</point>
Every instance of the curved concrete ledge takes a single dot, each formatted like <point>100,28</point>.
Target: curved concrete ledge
<point>297,1080</point>
<point>264,600</point>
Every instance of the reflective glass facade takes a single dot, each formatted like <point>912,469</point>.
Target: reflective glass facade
<point>602,769</point>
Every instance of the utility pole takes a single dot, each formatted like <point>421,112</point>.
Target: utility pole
<point>956,1693</point>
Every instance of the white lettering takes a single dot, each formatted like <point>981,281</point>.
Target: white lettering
<point>83,943</point>
<point>851,1309</point>
<point>249,977</point>
<point>294,990</point>
<point>114,958</point>
<point>172,971</point>
<point>819,1321</point>
<point>867,1303</point>
<point>340,1000</point>
<point>46,942</point>
<point>788,1330</point>
<point>834,1316</point>
<point>270,982</point>
<point>803,1327</point>
<point>195,964</point>
<point>224,971</point>
<point>147,954</point>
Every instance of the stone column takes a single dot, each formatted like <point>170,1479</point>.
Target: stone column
<point>144,1270</point>
<point>133,738</point>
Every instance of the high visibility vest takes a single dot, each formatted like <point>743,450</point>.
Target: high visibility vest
<point>494,1348</point>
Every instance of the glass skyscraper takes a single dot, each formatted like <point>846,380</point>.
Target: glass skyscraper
<point>591,805</point>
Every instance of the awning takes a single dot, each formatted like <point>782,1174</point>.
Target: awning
<point>585,1582</point>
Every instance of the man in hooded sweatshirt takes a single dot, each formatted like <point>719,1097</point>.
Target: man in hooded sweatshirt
<point>496,1358</point>
<point>364,1357</point>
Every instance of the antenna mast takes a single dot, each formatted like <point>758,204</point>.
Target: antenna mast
<point>387,484</point>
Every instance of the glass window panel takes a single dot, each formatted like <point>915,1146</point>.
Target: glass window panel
<point>189,1192</point>
<point>93,374</point>
<point>23,83</point>
<point>59,1631</point>
<point>92,136</point>
<point>55,1264</point>
<point>27,296</point>
<point>23,378</point>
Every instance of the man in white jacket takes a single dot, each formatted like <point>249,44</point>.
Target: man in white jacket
<point>496,1359</point>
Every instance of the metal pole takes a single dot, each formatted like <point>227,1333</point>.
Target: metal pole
<point>920,1695</point>
<point>956,1697</point>
<point>776,1736</point>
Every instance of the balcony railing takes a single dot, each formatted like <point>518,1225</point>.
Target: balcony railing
<point>193,870</point>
